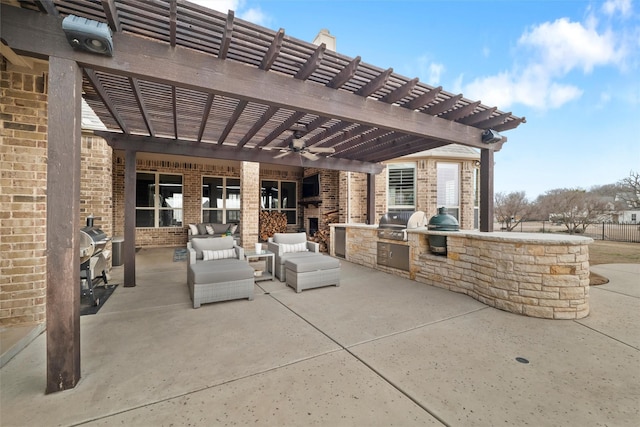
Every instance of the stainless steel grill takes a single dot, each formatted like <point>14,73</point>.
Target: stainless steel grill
<point>394,225</point>
<point>93,263</point>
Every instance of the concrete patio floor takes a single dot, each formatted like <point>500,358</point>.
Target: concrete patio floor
<point>376,351</point>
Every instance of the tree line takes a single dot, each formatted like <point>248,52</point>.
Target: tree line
<point>574,208</point>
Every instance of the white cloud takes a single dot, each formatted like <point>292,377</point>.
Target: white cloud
<point>563,45</point>
<point>532,87</point>
<point>550,52</point>
<point>435,71</point>
<point>255,15</point>
<point>610,7</point>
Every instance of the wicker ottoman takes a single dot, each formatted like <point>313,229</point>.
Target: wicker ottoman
<point>312,272</point>
<point>220,280</point>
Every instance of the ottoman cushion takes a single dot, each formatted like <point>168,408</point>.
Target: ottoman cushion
<point>222,270</point>
<point>312,263</point>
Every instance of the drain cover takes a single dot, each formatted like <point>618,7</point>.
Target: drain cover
<point>522,360</point>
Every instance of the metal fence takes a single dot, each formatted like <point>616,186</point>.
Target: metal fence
<point>614,232</point>
<point>601,231</point>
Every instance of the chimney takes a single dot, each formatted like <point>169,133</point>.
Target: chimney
<point>325,37</point>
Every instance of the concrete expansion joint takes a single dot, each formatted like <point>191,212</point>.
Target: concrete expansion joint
<point>605,335</point>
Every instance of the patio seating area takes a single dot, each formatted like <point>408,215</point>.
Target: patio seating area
<point>378,350</point>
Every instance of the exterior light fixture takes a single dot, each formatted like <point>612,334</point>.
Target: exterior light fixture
<point>490,136</point>
<point>90,36</point>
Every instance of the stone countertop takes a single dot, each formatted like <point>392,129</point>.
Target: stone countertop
<point>501,236</point>
<point>355,225</point>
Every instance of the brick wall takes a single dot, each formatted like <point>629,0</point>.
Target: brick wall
<point>355,209</point>
<point>95,183</point>
<point>427,189</point>
<point>23,182</point>
<point>192,170</point>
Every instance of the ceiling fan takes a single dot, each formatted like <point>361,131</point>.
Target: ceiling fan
<point>298,145</point>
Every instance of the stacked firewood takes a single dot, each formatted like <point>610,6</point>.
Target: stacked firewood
<point>322,236</point>
<point>271,223</point>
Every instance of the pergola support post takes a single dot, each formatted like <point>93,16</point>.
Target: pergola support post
<point>129,251</point>
<point>63,222</point>
<point>486,190</point>
<point>371,198</point>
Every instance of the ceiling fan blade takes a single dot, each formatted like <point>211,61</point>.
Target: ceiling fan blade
<point>282,154</point>
<point>309,155</point>
<point>327,150</point>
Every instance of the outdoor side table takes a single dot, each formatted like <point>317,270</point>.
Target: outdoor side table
<point>268,256</point>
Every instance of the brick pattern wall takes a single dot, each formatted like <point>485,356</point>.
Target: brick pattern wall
<point>192,173</point>
<point>427,189</point>
<point>95,183</point>
<point>355,185</point>
<point>23,182</point>
<point>250,203</point>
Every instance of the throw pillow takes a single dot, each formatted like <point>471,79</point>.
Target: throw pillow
<point>294,247</point>
<point>209,229</point>
<point>193,229</point>
<point>202,229</point>
<point>221,254</point>
<point>233,228</point>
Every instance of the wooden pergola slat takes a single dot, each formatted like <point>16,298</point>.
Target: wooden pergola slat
<point>345,74</point>
<point>375,84</point>
<point>106,100</point>
<point>423,99</point>
<point>135,87</point>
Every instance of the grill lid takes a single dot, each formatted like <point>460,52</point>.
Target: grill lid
<point>403,219</point>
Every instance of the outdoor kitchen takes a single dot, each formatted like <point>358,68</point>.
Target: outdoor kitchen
<point>537,275</point>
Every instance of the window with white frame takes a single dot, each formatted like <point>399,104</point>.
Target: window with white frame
<point>280,196</point>
<point>158,200</point>
<point>220,200</point>
<point>476,198</point>
<point>401,186</point>
<point>448,193</point>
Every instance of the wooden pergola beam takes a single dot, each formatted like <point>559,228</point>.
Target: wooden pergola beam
<point>111,12</point>
<point>106,100</point>
<point>40,34</point>
<point>401,92</point>
<point>135,87</point>
<point>345,74</point>
<point>147,144</point>
<point>312,63</point>
<point>273,51</point>
<point>442,106</point>
<point>423,99</point>
<point>375,84</point>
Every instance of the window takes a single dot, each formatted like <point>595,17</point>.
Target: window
<point>449,188</point>
<point>280,196</point>
<point>158,200</point>
<point>401,189</point>
<point>220,200</point>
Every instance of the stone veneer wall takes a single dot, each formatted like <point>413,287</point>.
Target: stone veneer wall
<point>23,183</point>
<point>534,275</point>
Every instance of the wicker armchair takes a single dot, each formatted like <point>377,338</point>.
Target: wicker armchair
<point>288,246</point>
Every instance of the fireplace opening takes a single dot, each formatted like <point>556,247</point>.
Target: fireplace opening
<point>313,226</point>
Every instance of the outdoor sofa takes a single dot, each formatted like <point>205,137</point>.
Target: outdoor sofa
<point>212,229</point>
<point>218,271</point>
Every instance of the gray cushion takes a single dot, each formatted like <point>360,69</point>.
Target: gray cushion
<point>220,228</point>
<point>289,238</point>
<point>212,244</point>
<point>202,229</point>
<point>223,270</point>
<point>296,255</point>
<point>315,263</point>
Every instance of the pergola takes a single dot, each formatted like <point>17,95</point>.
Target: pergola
<point>187,80</point>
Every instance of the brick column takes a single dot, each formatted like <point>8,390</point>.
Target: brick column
<point>23,220</point>
<point>249,203</point>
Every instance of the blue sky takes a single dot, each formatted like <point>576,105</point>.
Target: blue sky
<point>571,67</point>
